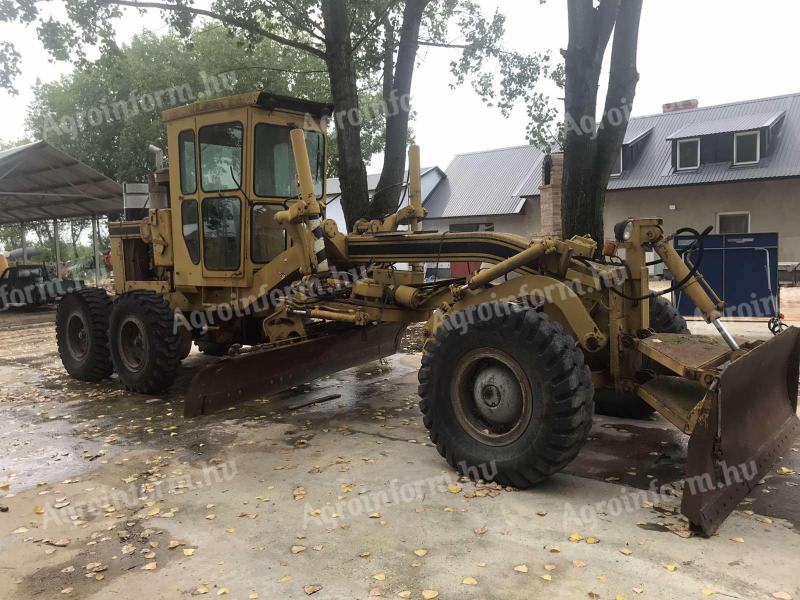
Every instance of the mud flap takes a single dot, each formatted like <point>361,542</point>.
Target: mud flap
<point>748,422</point>
<point>262,373</point>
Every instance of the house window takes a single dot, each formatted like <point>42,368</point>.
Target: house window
<point>735,222</point>
<point>688,154</point>
<point>616,170</point>
<point>747,148</point>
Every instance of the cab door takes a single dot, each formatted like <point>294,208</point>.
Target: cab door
<point>222,160</point>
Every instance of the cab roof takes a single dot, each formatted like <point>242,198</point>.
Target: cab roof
<point>264,100</point>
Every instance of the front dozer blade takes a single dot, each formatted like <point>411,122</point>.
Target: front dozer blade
<point>266,372</point>
<point>747,422</point>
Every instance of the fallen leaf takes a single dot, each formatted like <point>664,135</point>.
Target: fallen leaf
<point>421,552</point>
<point>781,596</point>
<point>671,568</point>
<point>379,577</point>
<point>188,551</point>
<point>453,488</point>
<point>375,592</point>
<point>211,517</point>
<point>430,594</point>
<point>626,551</point>
<point>738,540</point>
<point>638,590</point>
<point>761,519</point>
<point>549,567</point>
<point>252,596</point>
<point>578,564</point>
<point>298,549</point>
<point>576,537</point>
<point>39,510</point>
<point>542,513</point>
<point>363,554</point>
<point>200,591</point>
<point>285,579</point>
<point>547,577</point>
<point>222,591</point>
<point>785,471</point>
<point>521,568</point>
<point>480,530</point>
<point>592,540</point>
<point>707,592</point>
<point>375,515</point>
<point>404,594</point>
<point>469,581</point>
<point>311,589</point>
<point>67,590</point>
<point>151,566</point>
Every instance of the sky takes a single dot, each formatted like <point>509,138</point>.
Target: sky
<point>716,51</point>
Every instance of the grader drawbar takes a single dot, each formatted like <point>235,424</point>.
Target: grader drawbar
<point>237,258</point>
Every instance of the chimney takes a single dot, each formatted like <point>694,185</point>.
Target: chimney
<point>550,194</point>
<point>682,105</point>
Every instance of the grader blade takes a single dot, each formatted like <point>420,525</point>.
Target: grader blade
<point>747,422</point>
<point>265,372</point>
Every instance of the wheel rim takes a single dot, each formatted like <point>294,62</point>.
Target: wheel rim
<point>132,343</point>
<point>492,397</point>
<point>77,336</point>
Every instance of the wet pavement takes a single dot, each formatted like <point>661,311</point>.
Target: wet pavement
<point>281,495</point>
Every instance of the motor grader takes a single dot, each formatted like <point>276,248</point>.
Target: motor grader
<point>515,355</point>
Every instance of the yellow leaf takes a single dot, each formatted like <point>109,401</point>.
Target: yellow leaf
<point>547,577</point>
<point>454,488</point>
<point>578,564</point>
<point>149,555</point>
<point>379,577</point>
<point>375,592</point>
<point>200,591</point>
<point>211,517</point>
<point>154,511</point>
<point>188,551</point>
<point>297,549</point>
<point>39,510</point>
<point>421,552</point>
<point>707,592</point>
<point>315,513</point>
<point>482,564</point>
<point>781,596</point>
<point>311,589</point>
<point>222,591</point>
<point>150,566</point>
<point>430,594</point>
<point>469,581</point>
<point>363,554</point>
<point>592,540</point>
<point>230,530</point>
<point>638,590</point>
<point>575,537</point>
<point>785,471</point>
<point>619,597</point>
<point>375,515</point>
<point>626,551</point>
<point>549,567</point>
<point>404,594</point>
<point>521,568</point>
<point>738,540</point>
<point>174,544</point>
<point>252,596</point>
<point>285,579</point>
<point>671,568</point>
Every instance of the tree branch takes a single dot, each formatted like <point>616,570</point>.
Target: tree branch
<point>228,20</point>
<point>606,16</point>
<point>299,19</point>
<point>374,24</point>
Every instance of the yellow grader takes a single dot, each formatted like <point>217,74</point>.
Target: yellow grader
<point>241,261</point>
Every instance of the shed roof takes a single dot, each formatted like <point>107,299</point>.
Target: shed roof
<point>39,182</point>
<point>494,182</point>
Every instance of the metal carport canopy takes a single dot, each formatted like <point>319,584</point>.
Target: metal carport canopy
<point>39,183</point>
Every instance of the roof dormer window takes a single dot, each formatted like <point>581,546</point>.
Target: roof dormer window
<point>747,148</point>
<point>616,169</point>
<point>688,154</point>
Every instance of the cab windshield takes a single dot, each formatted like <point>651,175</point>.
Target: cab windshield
<point>275,175</point>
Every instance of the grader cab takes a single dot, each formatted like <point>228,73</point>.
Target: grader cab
<point>241,262</point>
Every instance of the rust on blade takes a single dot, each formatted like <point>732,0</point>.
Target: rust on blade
<point>265,372</point>
<point>748,421</point>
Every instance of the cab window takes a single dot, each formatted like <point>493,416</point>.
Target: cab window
<point>222,233</point>
<point>274,172</point>
<point>221,157</point>
<point>191,229</point>
<point>268,238</point>
<point>187,162</point>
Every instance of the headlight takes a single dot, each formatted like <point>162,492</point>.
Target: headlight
<point>623,231</point>
<point>628,232</point>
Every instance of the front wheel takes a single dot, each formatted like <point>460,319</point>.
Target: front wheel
<point>145,345</point>
<point>505,394</point>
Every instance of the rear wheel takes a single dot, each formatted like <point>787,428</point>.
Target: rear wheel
<point>664,318</point>
<point>82,319</point>
<point>507,398</point>
<point>145,347</point>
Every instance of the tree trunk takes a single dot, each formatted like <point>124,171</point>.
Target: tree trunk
<point>396,97</point>
<point>589,150</point>
<point>347,118</point>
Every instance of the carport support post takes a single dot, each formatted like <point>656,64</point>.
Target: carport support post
<point>22,235</point>
<point>57,252</point>
<point>95,242</point>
